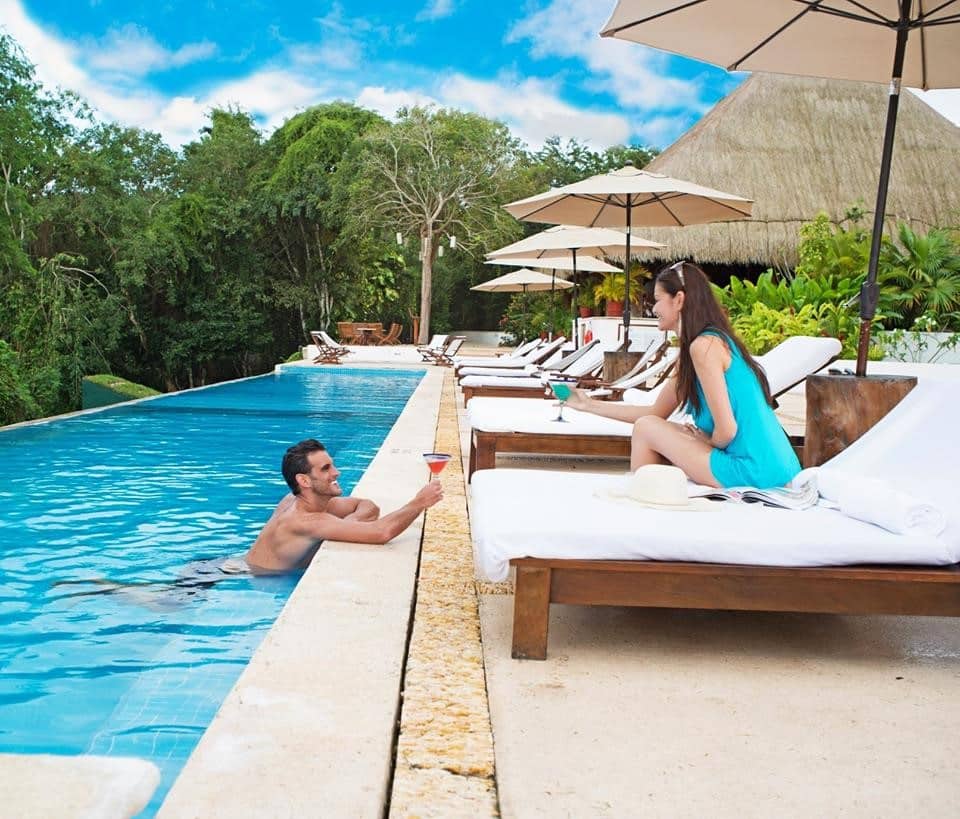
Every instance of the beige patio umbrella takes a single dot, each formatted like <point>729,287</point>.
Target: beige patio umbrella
<point>630,196</point>
<point>574,239</point>
<point>570,262</point>
<point>578,242</point>
<point>912,42</point>
<point>523,281</point>
<point>587,264</point>
<point>520,281</point>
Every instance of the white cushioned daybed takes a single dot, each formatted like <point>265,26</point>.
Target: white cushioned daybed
<point>571,544</point>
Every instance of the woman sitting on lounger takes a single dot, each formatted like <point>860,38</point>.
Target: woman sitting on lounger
<point>735,439</point>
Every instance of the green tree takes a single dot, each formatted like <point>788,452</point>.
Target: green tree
<point>436,173</point>
<point>324,272</point>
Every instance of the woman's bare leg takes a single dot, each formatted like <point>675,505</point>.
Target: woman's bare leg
<point>656,441</point>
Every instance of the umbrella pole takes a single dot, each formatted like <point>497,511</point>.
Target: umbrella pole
<point>574,311</point>
<point>870,290</point>
<point>553,300</point>
<point>626,284</point>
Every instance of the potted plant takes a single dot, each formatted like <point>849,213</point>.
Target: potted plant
<point>586,302</point>
<point>611,289</point>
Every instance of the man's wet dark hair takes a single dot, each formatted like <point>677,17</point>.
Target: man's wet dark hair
<point>295,461</point>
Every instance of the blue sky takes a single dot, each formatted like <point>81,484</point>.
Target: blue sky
<point>538,65</point>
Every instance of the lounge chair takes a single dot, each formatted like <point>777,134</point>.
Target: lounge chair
<point>558,362</point>
<point>514,355</point>
<point>786,365</point>
<point>328,350</point>
<point>537,355</point>
<point>639,374</point>
<point>526,426</point>
<point>445,357</point>
<point>331,342</point>
<point>570,544</point>
<point>429,351</point>
<point>584,363</point>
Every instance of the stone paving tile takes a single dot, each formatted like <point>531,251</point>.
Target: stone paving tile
<point>444,763</point>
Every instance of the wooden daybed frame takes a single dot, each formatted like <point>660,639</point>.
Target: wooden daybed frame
<point>485,445</point>
<point>504,392</point>
<point>898,590</point>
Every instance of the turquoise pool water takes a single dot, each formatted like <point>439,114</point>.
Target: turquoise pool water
<point>131,495</point>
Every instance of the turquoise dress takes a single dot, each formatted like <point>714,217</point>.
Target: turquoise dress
<point>760,453</point>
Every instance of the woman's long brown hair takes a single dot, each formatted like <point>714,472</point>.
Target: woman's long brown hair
<point>701,311</point>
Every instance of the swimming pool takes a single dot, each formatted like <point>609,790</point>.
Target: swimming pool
<point>132,494</point>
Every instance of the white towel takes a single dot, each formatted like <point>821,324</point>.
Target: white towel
<point>883,505</point>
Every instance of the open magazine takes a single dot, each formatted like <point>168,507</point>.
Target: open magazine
<point>802,495</point>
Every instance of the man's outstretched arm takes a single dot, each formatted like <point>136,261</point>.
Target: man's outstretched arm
<point>382,530</point>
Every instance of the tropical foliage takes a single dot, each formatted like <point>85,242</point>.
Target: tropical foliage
<point>919,277</point>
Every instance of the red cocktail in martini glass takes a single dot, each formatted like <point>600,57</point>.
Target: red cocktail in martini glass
<point>436,461</point>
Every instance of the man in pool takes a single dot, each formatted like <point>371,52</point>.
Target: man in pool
<point>316,511</point>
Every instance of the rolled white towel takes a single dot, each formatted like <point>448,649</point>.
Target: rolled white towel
<point>883,505</point>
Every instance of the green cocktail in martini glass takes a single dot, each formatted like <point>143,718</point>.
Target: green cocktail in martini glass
<point>562,390</point>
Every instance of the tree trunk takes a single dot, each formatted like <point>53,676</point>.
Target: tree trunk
<point>426,285</point>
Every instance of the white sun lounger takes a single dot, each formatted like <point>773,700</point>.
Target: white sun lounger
<point>535,356</point>
<point>786,365</point>
<point>514,356</point>
<point>533,386</point>
<point>571,545</point>
<point>499,426</point>
<point>559,361</point>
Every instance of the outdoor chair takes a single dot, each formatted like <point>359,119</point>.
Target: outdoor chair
<point>331,343</point>
<point>560,360</point>
<point>514,356</point>
<point>393,335</point>
<point>445,357</point>
<point>572,543</point>
<point>517,425</point>
<point>429,351</point>
<point>639,373</point>
<point>347,332</point>
<point>327,353</point>
<point>537,355</point>
<point>576,368</point>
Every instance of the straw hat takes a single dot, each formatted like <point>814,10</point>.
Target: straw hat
<point>658,486</point>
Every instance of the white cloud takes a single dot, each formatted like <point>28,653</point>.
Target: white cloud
<point>435,10</point>
<point>133,51</point>
<point>533,110</point>
<point>387,103</point>
<point>270,95</point>
<point>55,60</point>
<point>340,55</point>
<point>633,74</point>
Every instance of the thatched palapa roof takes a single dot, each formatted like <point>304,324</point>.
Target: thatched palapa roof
<point>798,146</point>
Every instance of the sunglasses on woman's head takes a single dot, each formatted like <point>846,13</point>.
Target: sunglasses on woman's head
<point>678,269</point>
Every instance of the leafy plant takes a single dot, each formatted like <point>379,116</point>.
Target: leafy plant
<point>926,271</point>
<point>763,328</point>
<point>612,286</point>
